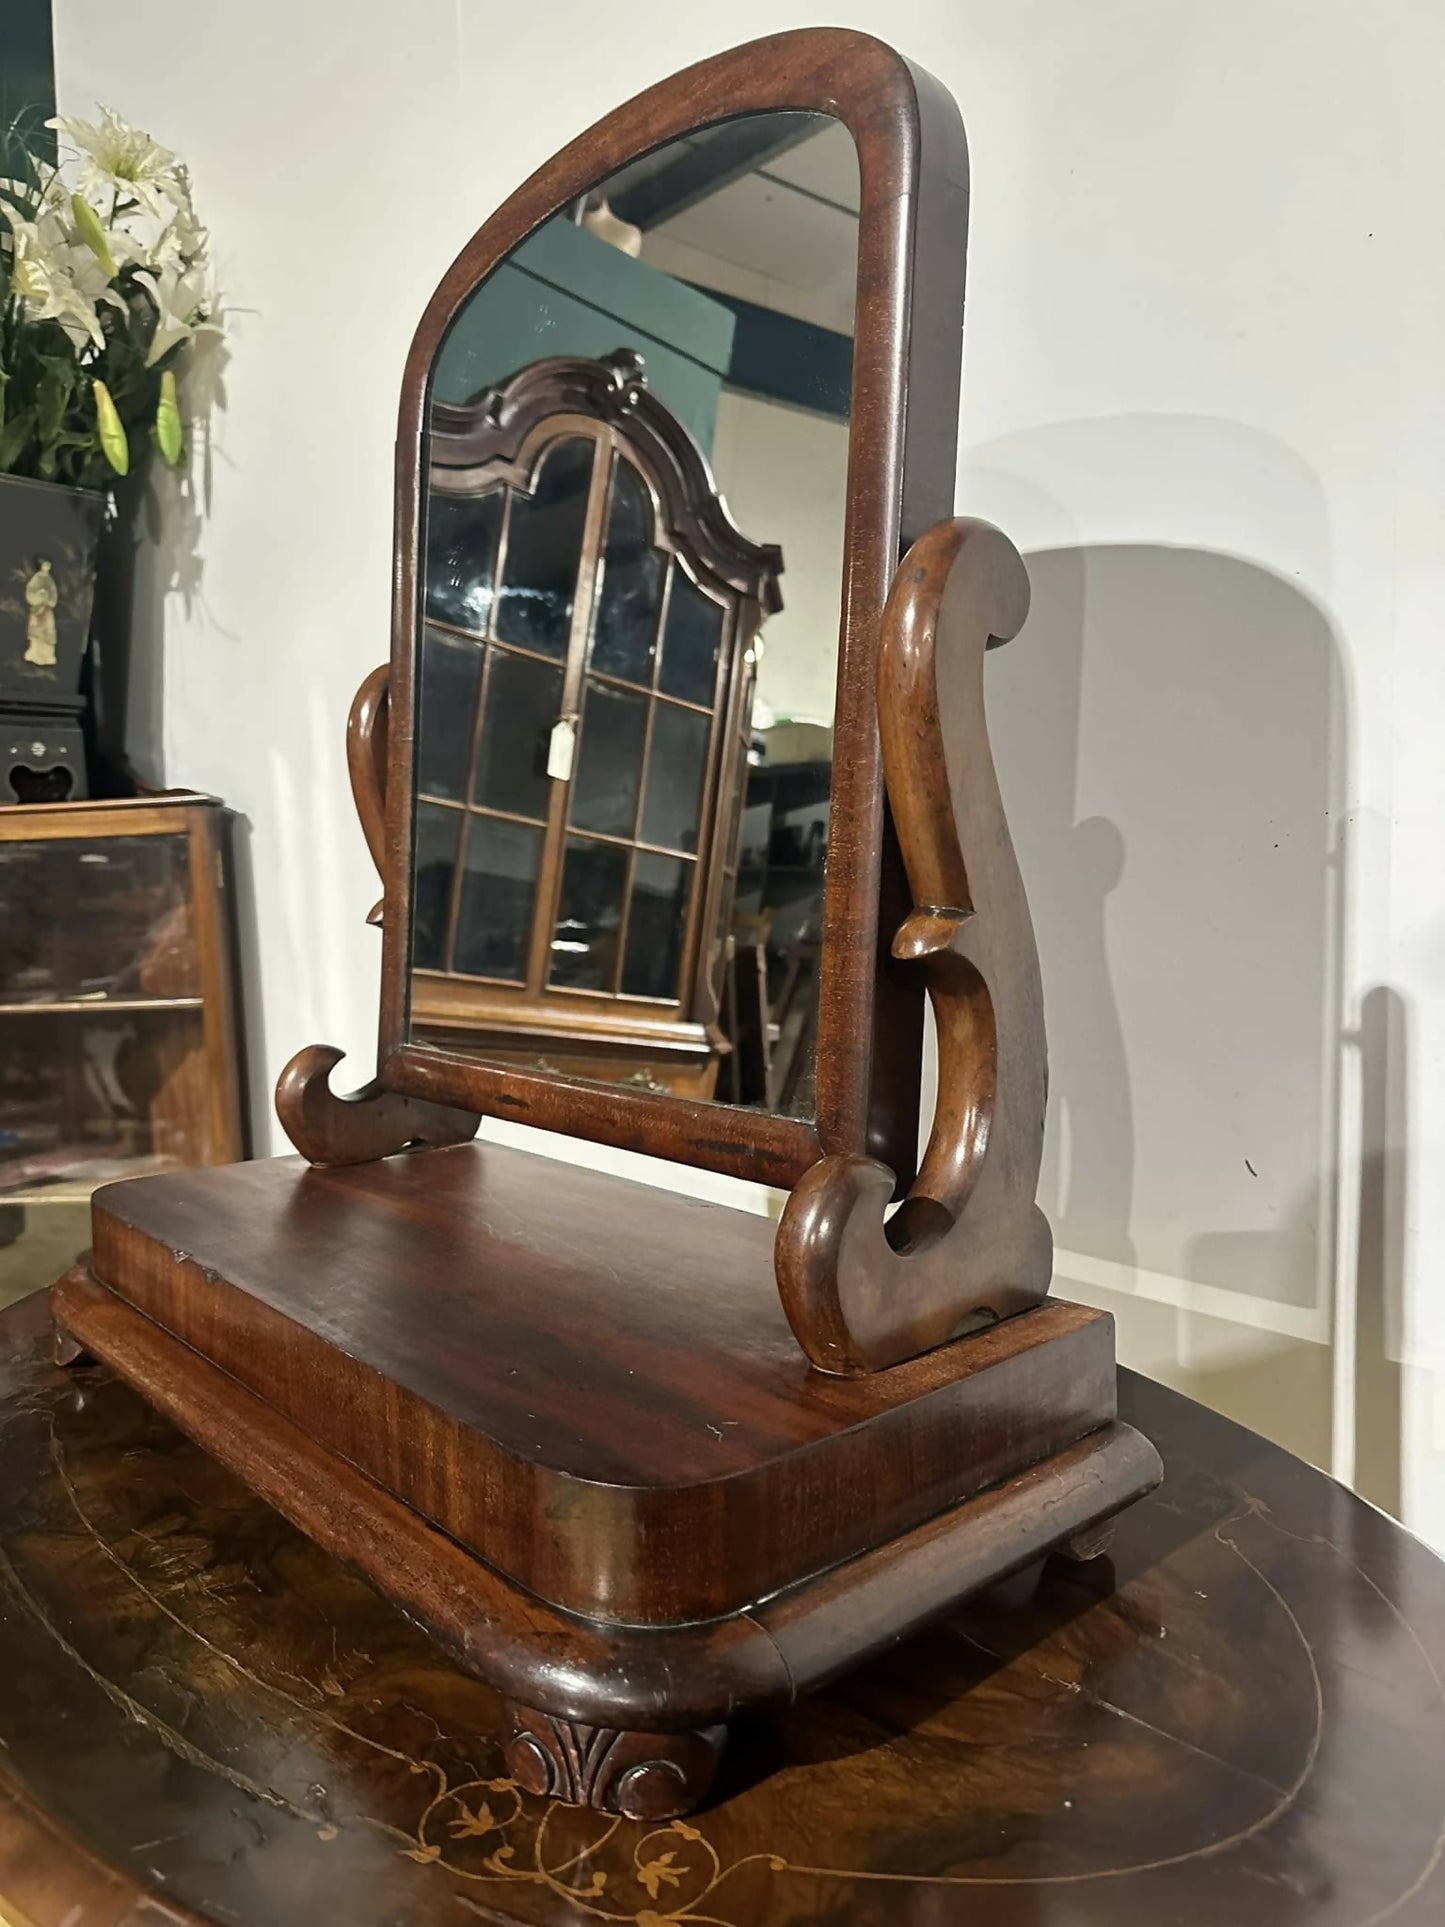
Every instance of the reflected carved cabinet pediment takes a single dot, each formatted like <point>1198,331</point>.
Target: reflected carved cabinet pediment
<point>586,691</point>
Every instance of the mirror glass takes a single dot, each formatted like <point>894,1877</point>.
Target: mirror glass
<point>632,537</point>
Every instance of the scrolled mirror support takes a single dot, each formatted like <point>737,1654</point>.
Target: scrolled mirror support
<point>366,751</point>
<point>370,1123</point>
<point>968,1244</point>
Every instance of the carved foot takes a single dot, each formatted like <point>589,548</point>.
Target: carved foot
<point>66,1350</point>
<point>372,1123</point>
<point>644,1776</point>
<point>1092,1543</point>
<point>69,1351</point>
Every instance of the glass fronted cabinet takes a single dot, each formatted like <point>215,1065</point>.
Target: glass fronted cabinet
<point>586,674</point>
<point>118,1048</point>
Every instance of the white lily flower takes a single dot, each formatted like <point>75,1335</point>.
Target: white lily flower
<point>118,159</point>
<point>181,295</point>
<point>183,243</point>
<point>57,276</point>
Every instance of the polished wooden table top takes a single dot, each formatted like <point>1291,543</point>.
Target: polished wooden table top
<point>1236,1718</point>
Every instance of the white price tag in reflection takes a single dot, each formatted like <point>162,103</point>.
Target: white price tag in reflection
<point>562,748</point>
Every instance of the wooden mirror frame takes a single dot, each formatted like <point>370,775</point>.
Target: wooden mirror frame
<point>909,340</point>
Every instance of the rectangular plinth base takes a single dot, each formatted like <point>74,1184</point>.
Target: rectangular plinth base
<point>563,1423</point>
<point>587,1384</point>
<point>622,1680</point>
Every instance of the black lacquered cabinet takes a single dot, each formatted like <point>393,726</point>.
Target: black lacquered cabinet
<point>585,696</point>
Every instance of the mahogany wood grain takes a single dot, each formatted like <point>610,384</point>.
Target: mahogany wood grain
<point>633,1679</point>
<point>1236,1717</point>
<point>612,1676</point>
<point>366,733</point>
<point>587,1382</point>
<point>371,1123</point>
<point>908,340</point>
<point>149,815</point>
<point>968,1244</point>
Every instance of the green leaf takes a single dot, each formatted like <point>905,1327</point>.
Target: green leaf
<point>14,436</point>
<point>57,383</point>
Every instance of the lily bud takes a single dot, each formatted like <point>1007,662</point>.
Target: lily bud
<point>88,227</point>
<point>114,445</point>
<point>168,421</point>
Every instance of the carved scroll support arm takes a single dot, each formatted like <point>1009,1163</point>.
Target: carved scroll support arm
<point>366,745</point>
<point>372,1122</point>
<point>968,1244</point>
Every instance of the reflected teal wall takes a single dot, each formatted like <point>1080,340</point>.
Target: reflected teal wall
<point>564,292</point>
<point>27,68</point>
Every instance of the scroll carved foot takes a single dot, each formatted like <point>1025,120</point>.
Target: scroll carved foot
<point>372,1123</point>
<point>1092,1543</point>
<point>69,1352</point>
<point>643,1776</point>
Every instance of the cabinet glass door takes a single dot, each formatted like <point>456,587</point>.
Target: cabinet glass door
<point>631,866</point>
<point>502,580</point>
<point>566,734</point>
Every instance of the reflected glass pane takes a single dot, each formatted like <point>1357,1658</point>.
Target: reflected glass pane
<point>634,437</point>
<point>437,830</point>
<point>450,672</point>
<point>589,913</point>
<point>675,767</point>
<point>609,761</point>
<point>631,588</point>
<point>544,547</point>
<point>461,557</point>
<point>95,918</point>
<point>690,642</point>
<point>656,924</point>
<point>494,916</point>
<point>524,699</point>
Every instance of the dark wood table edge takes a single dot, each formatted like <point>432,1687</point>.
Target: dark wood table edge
<point>38,1854</point>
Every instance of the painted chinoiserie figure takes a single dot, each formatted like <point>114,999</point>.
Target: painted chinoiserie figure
<point>41,596</point>
<point>642,1461</point>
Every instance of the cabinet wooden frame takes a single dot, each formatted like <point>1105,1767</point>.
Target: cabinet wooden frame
<point>912,231</point>
<point>210,1094</point>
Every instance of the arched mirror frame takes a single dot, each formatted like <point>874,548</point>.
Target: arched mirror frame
<point>908,343</point>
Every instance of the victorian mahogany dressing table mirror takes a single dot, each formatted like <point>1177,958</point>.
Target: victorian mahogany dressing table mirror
<point>667,427</point>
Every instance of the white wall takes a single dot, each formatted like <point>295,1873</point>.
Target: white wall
<point>1204,394</point>
<point>784,474</point>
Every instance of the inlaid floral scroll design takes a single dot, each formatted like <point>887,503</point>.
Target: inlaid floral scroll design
<point>490,1830</point>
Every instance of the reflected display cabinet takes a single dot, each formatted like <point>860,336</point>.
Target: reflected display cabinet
<point>586,690</point>
<point>118,1050</point>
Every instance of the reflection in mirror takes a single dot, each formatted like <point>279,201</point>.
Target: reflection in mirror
<point>637,424</point>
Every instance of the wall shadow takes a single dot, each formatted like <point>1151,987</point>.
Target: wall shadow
<point>1383,1043</point>
<point>152,550</point>
<point>246,960</point>
<point>1171,741</point>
